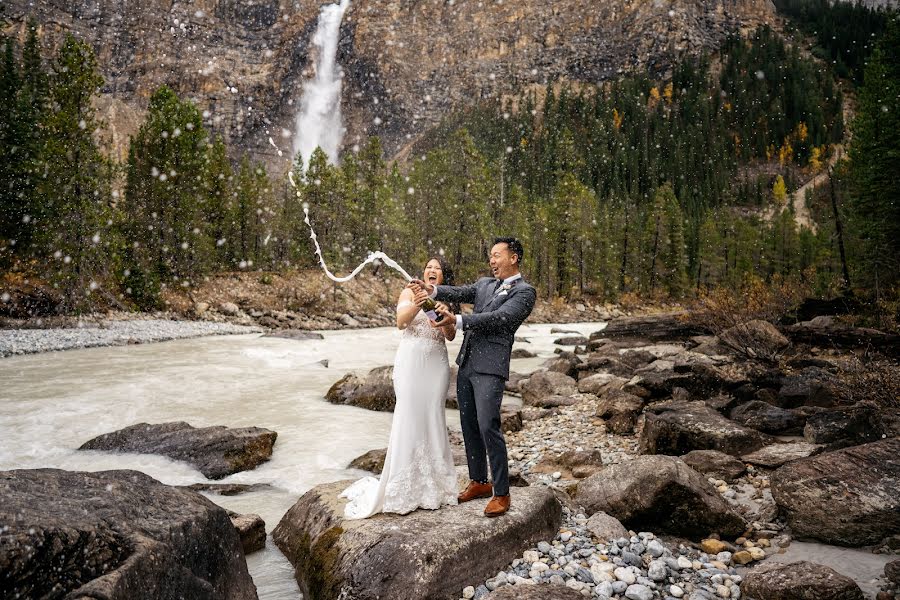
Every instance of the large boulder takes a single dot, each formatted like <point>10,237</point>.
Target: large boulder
<point>758,339</point>
<point>856,424</point>
<point>425,554</point>
<point>767,418</point>
<point>659,493</point>
<point>713,463</point>
<point>680,427</point>
<point>375,390</point>
<point>620,410</point>
<point>117,535</point>
<point>659,326</point>
<point>810,386</point>
<point>798,581</point>
<point>848,497</point>
<point>216,452</point>
<point>543,384</point>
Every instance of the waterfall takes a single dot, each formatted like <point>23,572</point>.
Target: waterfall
<point>318,121</point>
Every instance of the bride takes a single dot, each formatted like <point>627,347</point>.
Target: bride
<point>418,468</point>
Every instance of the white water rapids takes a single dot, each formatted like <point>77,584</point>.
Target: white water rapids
<point>52,403</point>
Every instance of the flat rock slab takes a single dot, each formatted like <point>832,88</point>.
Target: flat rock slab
<point>425,554</point>
<point>115,535</point>
<point>680,427</point>
<point>798,581</point>
<point>780,454</point>
<point>849,497</point>
<point>216,452</point>
<point>659,493</point>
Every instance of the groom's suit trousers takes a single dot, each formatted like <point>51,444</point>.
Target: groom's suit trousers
<point>479,396</point>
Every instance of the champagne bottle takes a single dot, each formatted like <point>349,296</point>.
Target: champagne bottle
<point>428,307</point>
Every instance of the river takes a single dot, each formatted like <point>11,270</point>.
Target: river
<point>52,403</point>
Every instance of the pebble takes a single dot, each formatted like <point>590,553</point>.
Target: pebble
<point>623,574</point>
<point>638,592</point>
<point>676,591</point>
<point>468,592</point>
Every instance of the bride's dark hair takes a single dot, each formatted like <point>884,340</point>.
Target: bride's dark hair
<point>447,272</point>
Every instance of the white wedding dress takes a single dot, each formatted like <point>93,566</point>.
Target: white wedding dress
<point>418,468</point>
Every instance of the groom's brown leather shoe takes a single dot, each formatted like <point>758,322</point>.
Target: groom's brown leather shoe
<point>497,506</point>
<point>474,491</point>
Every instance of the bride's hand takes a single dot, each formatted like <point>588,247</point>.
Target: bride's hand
<point>420,297</point>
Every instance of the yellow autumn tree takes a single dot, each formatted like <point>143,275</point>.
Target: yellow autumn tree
<point>779,190</point>
<point>617,119</point>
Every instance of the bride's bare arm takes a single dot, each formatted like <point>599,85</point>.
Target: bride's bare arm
<point>406,309</point>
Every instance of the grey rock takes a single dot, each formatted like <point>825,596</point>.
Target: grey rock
<point>572,340</point>
<point>295,334</point>
<point>757,339</point>
<point>775,455</point>
<point>229,308</point>
<point>370,558</point>
<point>375,390</point>
<point>846,497</point>
<point>117,535</point>
<point>764,417</point>
<point>540,591</point>
<point>638,592</point>
<point>659,493</point>
<point>620,410</point>
<point>715,464</point>
<point>678,428</point>
<point>605,527</point>
<point>251,529</point>
<point>216,451</point>
<point>852,425</point>
<point>798,581</point>
<point>544,384</point>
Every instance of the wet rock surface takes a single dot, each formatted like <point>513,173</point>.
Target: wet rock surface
<point>846,497</point>
<point>371,558</point>
<point>215,451</point>
<point>118,535</point>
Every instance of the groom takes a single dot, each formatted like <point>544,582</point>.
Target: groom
<point>502,303</point>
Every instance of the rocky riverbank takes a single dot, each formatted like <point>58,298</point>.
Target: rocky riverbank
<point>118,329</point>
<point>683,465</point>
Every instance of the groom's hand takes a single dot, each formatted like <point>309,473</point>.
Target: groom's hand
<point>417,284</point>
<point>448,317</point>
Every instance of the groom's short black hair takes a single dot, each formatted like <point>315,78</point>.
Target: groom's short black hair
<point>514,245</point>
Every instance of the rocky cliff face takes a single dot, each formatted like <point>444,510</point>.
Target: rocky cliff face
<point>406,62</point>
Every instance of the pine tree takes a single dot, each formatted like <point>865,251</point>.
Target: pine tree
<point>217,201</point>
<point>75,185</point>
<point>875,161</point>
<point>165,191</point>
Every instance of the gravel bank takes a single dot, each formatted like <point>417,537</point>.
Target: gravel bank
<point>110,333</point>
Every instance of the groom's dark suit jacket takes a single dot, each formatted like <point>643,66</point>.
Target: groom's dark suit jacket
<point>490,330</point>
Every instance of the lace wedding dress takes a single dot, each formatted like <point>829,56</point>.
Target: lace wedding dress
<point>418,469</point>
